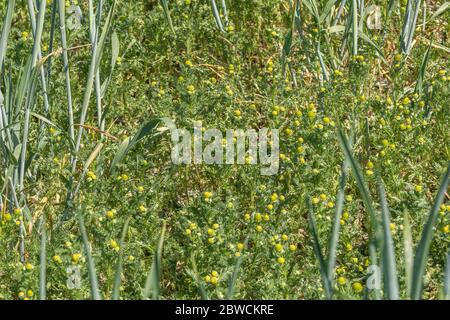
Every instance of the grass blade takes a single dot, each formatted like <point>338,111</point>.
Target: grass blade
<point>217,16</point>
<point>118,275</point>
<point>95,292</point>
<point>194,274</point>
<point>388,251</point>
<point>232,283</point>
<point>318,250</point>
<point>409,25</point>
<point>420,259</point>
<point>441,10</point>
<point>165,5</point>
<point>423,67</point>
<point>43,262</point>
<point>355,27</point>
<point>334,239</point>
<point>5,31</point>
<point>409,257</point>
<point>148,128</point>
<point>447,279</point>
<point>360,181</point>
<point>152,285</point>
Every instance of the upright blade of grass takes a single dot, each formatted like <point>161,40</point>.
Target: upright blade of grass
<point>194,274</point>
<point>288,39</point>
<point>339,12</point>
<point>96,55</point>
<point>424,16</point>
<point>374,262</point>
<point>5,31</point>
<point>22,228</point>
<point>391,7</point>
<point>298,18</point>
<point>388,251</point>
<point>406,27</point>
<point>361,14</point>
<point>323,67</point>
<point>118,275</point>
<point>94,30</point>
<point>62,25</point>
<point>30,100</point>
<point>21,88</point>
<point>30,87</point>
<point>95,292</point>
<point>420,259</point>
<point>413,25</point>
<point>423,67</point>
<point>327,9</point>
<point>444,7</point>
<point>374,233</point>
<point>389,10</point>
<point>31,10</point>
<point>52,39</point>
<point>217,16</point>
<point>148,128</point>
<point>115,47</point>
<point>165,5</point>
<point>365,38</point>
<point>409,25</point>
<point>233,279</point>
<point>447,278</point>
<point>408,247</point>
<point>318,250</point>
<point>43,262</point>
<point>225,11</point>
<point>334,239</point>
<point>360,181</point>
<point>152,285</point>
<point>354,18</point>
<point>312,6</point>
<point>87,164</point>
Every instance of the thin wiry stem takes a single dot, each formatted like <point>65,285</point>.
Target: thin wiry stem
<point>62,26</point>
<point>31,10</point>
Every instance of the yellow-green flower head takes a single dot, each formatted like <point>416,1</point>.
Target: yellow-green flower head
<point>110,214</point>
<point>279,247</point>
<point>357,286</point>
<point>76,257</point>
<point>142,209</point>
<point>207,195</point>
